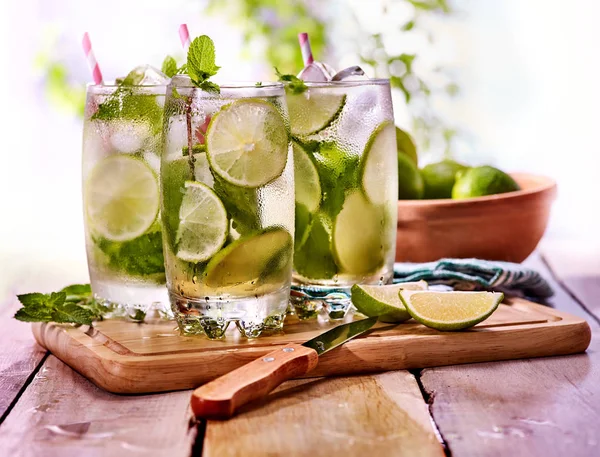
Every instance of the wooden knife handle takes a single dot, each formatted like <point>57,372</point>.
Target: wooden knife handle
<point>220,398</point>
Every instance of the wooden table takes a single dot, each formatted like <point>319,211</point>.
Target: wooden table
<point>534,407</point>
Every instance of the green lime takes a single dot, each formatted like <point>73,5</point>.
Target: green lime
<point>378,160</point>
<point>480,181</point>
<point>410,181</point>
<point>439,178</point>
<point>251,258</point>
<point>121,198</point>
<point>312,112</point>
<point>313,258</point>
<point>358,235</point>
<point>203,223</point>
<point>406,145</point>
<point>450,310</point>
<point>383,301</point>
<point>247,143</point>
<point>306,178</point>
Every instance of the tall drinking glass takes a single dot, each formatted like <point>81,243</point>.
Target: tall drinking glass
<point>344,145</point>
<point>227,207</point>
<point>121,159</point>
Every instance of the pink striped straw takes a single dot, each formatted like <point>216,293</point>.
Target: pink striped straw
<point>91,59</point>
<point>184,36</point>
<point>305,48</point>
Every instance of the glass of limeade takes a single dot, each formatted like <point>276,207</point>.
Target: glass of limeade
<point>227,184</point>
<point>121,159</point>
<point>344,145</point>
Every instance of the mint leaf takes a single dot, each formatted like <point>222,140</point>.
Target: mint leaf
<point>258,84</point>
<point>201,63</point>
<point>294,84</point>
<point>169,66</point>
<point>139,316</point>
<point>142,256</point>
<point>71,313</point>
<point>34,313</point>
<point>32,299</point>
<point>73,304</point>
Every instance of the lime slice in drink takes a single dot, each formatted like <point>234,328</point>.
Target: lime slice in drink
<point>450,310</point>
<point>358,235</point>
<point>383,301</point>
<point>121,198</point>
<point>313,258</point>
<point>306,178</point>
<point>310,113</point>
<point>203,223</point>
<point>378,161</point>
<point>248,259</point>
<point>247,143</point>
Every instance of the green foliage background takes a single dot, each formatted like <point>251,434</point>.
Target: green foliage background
<point>275,25</point>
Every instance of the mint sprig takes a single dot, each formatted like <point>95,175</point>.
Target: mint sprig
<point>201,65</point>
<point>73,305</point>
<point>294,84</point>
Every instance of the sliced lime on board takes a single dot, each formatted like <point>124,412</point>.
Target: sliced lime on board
<point>312,112</point>
<point>358,235</point>
<point>248,258</point>
<point>203,223</point>
<point>378,162</point>
<point>383,301</point>
<point>247,143</point>
<point>450,310</point>
<point>306,179</point>
<point>121,197</point>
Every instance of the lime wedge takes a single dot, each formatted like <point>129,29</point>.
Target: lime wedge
<point>378,162</point>
<point>306,178</point>
<point>358,235</point>
<point>249,259</point>
<point>121,198</point>
<point>383,301</point>
<point>203,223</point>
<point>450,310</point>
<point>247,143</point>
<point>310,113</point>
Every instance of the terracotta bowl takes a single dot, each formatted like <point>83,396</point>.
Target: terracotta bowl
<point>497,227</point>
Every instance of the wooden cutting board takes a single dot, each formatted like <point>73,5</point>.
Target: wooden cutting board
<point>125,357</point>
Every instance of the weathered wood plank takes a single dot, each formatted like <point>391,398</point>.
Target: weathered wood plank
<point>63,414</point>
<point>577,268</point>
<point>380,415</point>
<point>20,355</point>
<point>529,407</point>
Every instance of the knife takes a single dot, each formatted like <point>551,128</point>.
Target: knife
<point>220,398</point>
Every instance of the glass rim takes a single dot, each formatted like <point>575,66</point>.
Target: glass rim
<point>113,85</point>
<point>229,85</point>
<point>351,83</point>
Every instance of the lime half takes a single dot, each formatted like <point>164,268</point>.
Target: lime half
<point>247,143</point>
<point>358,235</point>
<point>450,310</point>
<point>306,179</point>
<point>311,112</point>
<point>383,301</point>
<point>249,259</point>
<point>203,223</point>
<point>378,162</point>
<point>121,198</point>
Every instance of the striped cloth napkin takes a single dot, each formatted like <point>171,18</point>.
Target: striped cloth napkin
<point>476,274</point>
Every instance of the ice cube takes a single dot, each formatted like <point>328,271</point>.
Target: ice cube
<point>354,73</point>
<point>317,72</point>
<point>146,75</point>
<point>129,137</point>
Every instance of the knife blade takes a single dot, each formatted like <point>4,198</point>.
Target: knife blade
<point>220,398</point>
